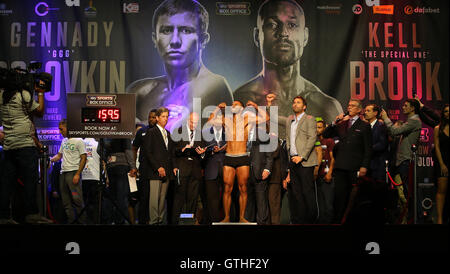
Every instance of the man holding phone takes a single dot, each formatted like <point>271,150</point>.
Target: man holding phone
<point>188,152</point>
<point>214,156</point>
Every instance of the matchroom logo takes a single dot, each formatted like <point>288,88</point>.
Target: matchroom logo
<point>4,10</point>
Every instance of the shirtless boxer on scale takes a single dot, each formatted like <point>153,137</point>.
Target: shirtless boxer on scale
<point>237,161</point>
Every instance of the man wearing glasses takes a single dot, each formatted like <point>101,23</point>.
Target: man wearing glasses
<point>352,154</point>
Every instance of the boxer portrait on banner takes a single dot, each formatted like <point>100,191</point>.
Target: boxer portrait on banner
<point>281,36</point>
<point>180,33</point>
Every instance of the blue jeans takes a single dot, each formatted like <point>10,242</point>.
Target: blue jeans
<point>19,163</point>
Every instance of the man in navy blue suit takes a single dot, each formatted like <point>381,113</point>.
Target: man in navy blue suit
<point>377,169</point>
<point>213,166</point>
<point>352,154</point>
<point>261,150</point>
<point>159,149</point>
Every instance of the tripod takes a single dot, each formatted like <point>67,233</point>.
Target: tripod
<point>414,150</point>
<point>100,190</point>
<point>43,163</point>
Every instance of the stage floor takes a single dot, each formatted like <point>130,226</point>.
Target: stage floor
<point>218,240</point>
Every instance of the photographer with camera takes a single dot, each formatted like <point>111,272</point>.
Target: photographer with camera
<point>17,109</point>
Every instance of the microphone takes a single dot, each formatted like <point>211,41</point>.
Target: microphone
<point>339,119</point>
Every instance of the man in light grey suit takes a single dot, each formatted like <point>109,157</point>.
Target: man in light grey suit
<point>301,135</point>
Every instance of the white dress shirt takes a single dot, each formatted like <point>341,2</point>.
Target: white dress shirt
<point>217,134</point>
<point>191,141</point>
<point>294,125</point>
<point>164,134</point>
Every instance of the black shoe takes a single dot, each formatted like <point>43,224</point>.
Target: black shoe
<point>8,222</point>
<point>37,219</point>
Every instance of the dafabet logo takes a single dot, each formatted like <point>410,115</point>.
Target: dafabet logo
<point>409,10</point>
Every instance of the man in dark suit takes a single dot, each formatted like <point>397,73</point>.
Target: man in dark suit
<point>261,161</point>
<point>144,168</point>
<point>377,170</point>
<point>278,174</point>
<point>280,167</point>
<point>371,196</point>
<point>301,136</point>
<point>159,150</point>
<point>214,156</point>
<point>188,152</point>
<point>352,154</point>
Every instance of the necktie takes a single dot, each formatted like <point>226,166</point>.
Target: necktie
<point>191,138</point>
<point>165,138</point>
<point>350,123</point>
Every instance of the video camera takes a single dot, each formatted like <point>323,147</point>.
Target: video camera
<point>17,79</point>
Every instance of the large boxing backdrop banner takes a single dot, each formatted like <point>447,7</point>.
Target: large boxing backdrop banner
<point>378,51</point>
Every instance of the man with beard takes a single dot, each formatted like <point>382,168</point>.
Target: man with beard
<point>301,136</point>
<point>409,133</point>
<point>144,168</point>
<point>281,35</point>
<point>180,34</point>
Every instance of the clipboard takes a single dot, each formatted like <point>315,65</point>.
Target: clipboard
<point>212,146</point>
<point>132,183</point>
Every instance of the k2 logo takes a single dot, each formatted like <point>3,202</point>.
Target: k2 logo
<point>71,3</point>
<point>130,8</point>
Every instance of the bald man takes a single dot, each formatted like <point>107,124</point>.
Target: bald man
<point>281,35</point>
<point>189,151</point>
